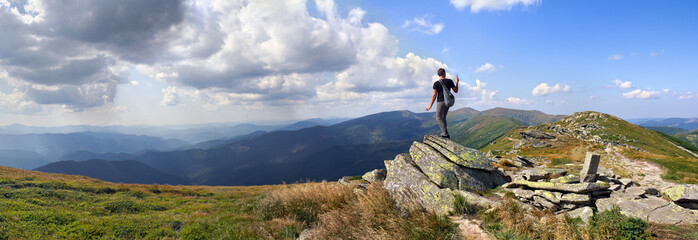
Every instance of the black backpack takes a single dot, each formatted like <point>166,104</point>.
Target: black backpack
<point>449,99</point>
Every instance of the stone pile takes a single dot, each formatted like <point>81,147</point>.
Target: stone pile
<point>593,191</point>
<point>435,171</point>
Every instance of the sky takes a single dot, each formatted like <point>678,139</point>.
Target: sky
<point>134,62</point>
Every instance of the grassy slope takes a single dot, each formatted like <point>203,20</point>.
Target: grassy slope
<point>480,131</point>
<point>678,165</point>
<point>689,137</point>
<point>37,205</point>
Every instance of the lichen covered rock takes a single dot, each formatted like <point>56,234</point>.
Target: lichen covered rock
<point>561,187</point>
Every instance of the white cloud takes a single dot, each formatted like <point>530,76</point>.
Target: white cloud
<point>641,94</point>
<point>479,93</point>
<point>135,83</point>
<point>654,54</point>
<point>488,68</point>
<point>622,84</point>
<point>170,96</point>
<point>424,25</point>
<point>545,89</point>
<point>518,101</point>
<point>477,5</point>
<point>615,57</point>
<point>689,95</point>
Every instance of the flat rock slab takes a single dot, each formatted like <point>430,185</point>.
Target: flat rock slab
<point>522,193</point>
<point>574,198</point>
<point>553,197</point>
<point>673,214</point>
<point>637,208</point>
<point>463,156</point>
<point>561,187</point>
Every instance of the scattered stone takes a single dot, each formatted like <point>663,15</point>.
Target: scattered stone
<point>375,175</point>
<point>601,193</point>
<point>535,135</point>
<point>573,187</point>
<point>605,172</point>
<point>591,164</point>
<point>634,192</point>
<point>522,162</point>
<point>584,213</point>
<point>578,199</point>
<point>626,182</point>
<point>616,187</point>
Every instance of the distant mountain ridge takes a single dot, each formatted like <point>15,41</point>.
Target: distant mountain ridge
<point>689,124</point>
<point>355,146</point>
<point>128,171</point>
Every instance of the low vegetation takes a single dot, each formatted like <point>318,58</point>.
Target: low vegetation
<point>36,205</point>
<point>511,221</point>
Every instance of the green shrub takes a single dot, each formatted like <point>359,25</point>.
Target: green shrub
<point>196,231</point>
<point>612,224</point>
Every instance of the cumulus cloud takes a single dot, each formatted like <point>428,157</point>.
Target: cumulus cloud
<point>622,84</point>
<point>488,68</point>
<point>213,52</point>
<point>641,94</point>
<point>688,95</point>
<point>480,93</point>
<point>478,5</point>
<point>545,89</point>
<point>518,101</point>
<point>615,57</point>
<point>424,25</point>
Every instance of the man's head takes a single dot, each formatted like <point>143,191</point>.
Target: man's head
<point>441,72</point>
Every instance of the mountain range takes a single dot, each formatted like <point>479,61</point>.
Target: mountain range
<point>689,124</point>
<point>315,153</point>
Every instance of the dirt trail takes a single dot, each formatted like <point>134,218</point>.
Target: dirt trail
<point>470,228</point>
<point>643,172</point>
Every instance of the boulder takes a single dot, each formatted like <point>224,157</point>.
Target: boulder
<point>522,162</point>
<point>560,187</point>
<point>673,214</point>
<point>584,213</point>
<point>375,175</point>
<point>447,174</point>
<point>534,174</point>
<point>408,185</point>
<point>634,192</point>
<point>686,194</point>
<point>458,154</point>
<point>638,208</point>
<point>535,135</point>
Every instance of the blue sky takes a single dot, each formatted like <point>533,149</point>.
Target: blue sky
<point>176,62</point>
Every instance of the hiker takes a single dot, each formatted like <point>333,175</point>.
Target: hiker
<point>441,107</point>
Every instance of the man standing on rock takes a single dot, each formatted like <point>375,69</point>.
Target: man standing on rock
<point>441,108</point>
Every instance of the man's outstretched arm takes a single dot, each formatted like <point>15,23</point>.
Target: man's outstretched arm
<point>455,89</point>
<point>433,97</point>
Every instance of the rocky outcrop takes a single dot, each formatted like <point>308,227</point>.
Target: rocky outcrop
<point>375,175</point>
<point>684,195</point>
<point>437,170</point>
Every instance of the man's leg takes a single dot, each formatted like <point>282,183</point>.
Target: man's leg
<point>441,112</point>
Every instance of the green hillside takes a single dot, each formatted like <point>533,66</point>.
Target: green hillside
<point>480,131</point>
<point>527,117</point>
<point>593,131</point>
<point>689,137</point>
<point>667,130</point>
